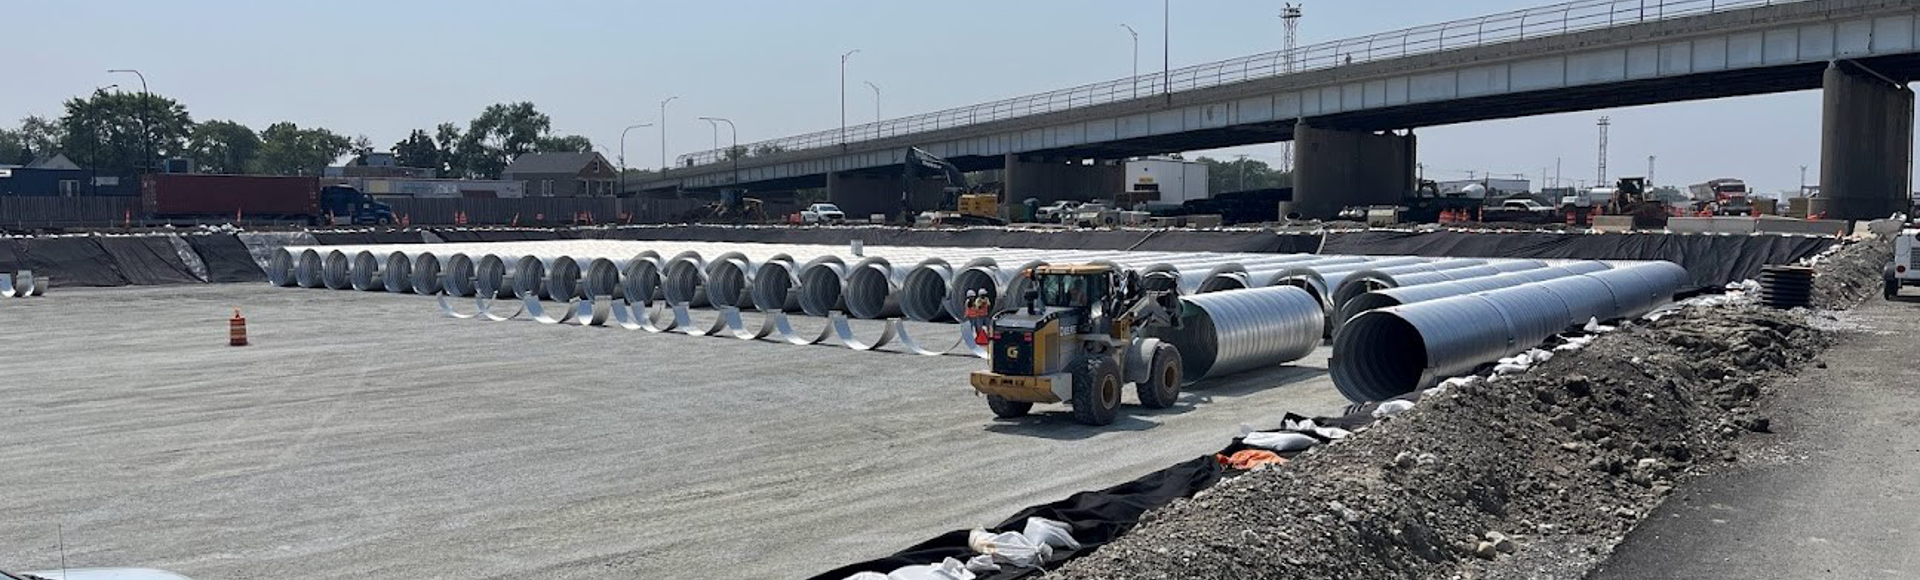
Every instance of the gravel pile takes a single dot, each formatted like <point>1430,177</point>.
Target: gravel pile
<point>1534,475</point>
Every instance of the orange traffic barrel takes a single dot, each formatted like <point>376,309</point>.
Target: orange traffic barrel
<point>237,330</point>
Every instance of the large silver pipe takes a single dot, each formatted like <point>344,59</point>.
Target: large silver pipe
<point>821,281</point>
<point>640,281</point>
<point>923,293</point>
<point>685,279</point>
<point>872,289</point>
<point>1363,281</point>
<point>306,270</point>
<point>1389,297</point>
<point>397,275</point>
<point>773,285</point>
<point>730,279</point>
<point>457,274</point>
<point>1222,333</point>
<point>366,275</point>
<point>280,267</point>
<point>1387,352</point>
<point>427,275</point>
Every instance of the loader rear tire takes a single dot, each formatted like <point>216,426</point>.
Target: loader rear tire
<point>1162,387</point>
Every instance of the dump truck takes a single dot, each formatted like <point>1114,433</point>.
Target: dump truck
<point>193,196</point>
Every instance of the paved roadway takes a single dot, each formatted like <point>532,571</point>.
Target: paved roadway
<point>363,435</point>
<point>1836,494</point>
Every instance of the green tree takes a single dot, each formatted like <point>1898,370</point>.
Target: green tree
<point>42,136</point>
<point>286,149</point>
<point>501,133</point>
<point>1242,174</point>
<point>105,131</point>
<point>13,148</point>
<point>361,146</point>
<point>223,146</point>
<point>419,150</point>
<point>566,144</point>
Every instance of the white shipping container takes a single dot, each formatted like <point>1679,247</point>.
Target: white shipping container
<point>1177,180</point>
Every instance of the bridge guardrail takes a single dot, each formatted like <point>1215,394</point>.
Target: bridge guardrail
<point>1539,22</point>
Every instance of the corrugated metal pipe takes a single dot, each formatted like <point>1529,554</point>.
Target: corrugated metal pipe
<point>1222,333</point>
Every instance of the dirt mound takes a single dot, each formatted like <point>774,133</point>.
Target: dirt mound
<point>1562,460</point>
<point>1851,274</point>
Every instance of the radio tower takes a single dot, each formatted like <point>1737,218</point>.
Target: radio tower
<point>1290,20</point>
<point>1604,122</point>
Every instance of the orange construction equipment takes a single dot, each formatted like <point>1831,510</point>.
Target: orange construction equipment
<point>237,329</point>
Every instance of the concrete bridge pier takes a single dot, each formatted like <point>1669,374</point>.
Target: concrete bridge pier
<point>1051,181</point>
<point>1334,168</point>
<point>1866,143</point>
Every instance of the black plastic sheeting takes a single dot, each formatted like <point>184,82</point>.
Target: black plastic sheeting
<point>1711,260</point>
<point>365,238</point>
<point>1097,517</point>
<point>77,261</point>
<point>1158,241</point>
<point>10,259</point>
<point>147,260</point>
<point>226,258</point>
<point>453,235</point>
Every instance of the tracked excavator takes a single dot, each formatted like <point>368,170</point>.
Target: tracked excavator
<point>1078,337</point>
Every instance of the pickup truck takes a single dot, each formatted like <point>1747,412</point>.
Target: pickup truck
<point>1526,205</point>
<point>1054,212</point>
<point>822,213</point>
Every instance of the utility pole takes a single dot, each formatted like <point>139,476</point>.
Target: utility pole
<point>1290,22</point>
<point>1556,172</point>
<point>1603,124</point>
<point>843,95</point>
<point>1135,79</point>
<point>1803,181</point>
<point>1243,171</point>
<point>663,131</point>
<point>1650,159</point>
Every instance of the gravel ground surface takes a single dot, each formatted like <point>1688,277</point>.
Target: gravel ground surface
<point>363,434</point>
<point>1535,475</point>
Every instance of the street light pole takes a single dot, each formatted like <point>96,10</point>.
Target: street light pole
<point>623,154</point>
<point>146,133</point>
<point>733,151</point>
<point>1135,79</point>
<point>93,152</point>
<point>1166,48</point>
<point>663,131</point>
<point>876,100</point>
<point>843,95</point>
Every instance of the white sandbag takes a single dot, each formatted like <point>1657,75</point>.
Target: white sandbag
<point>1280,441</point>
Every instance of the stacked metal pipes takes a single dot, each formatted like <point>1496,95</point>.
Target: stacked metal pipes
<point>22,284</point>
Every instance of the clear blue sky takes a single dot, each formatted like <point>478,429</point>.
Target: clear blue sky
<point>384,68</point>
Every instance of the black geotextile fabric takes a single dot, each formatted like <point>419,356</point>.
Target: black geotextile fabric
<point>1097,517</point>
<point>1161,241</point>
<point>226,258</point>
<point>10,259</point>
<point>1711,260</point>
<point>364,238</point>
<point>147,260</point>
<point>453,235</point>
<point>79,261</point>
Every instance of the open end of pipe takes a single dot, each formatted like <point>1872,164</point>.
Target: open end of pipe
<point>398,275</point>
<point>280,267</point>
<point>974,280</point>
<point>306,270</point>
<point>642,283</point>
<point>1222,282</point>
<point>867,292</point>
<point>603,278</point>
<point>1361,284</point>
<point>1163,280</point>
<point>426,273</point>
<point>563,280</point>
<point>366,272</point>
<point>336,271</point>
<point>490,279</point>
<point>1363,303</point>
<point>683,282</point>
<point>923,295</point>
<point>773,288</point>
<point>459,275</point>
<point>819,290</point>
<point>1382,356</point>
<point>529,278</point>
<point>727,284</point>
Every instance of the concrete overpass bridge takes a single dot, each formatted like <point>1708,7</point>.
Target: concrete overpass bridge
<point>1351,105</point>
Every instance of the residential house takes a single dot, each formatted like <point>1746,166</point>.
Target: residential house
<point>563,174</point>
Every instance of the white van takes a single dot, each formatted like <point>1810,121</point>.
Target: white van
<point>1905,269</point>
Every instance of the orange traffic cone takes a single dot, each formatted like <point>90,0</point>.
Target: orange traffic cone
<point>237,329</point>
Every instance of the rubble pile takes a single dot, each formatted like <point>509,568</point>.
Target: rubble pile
<point>1526,475</point>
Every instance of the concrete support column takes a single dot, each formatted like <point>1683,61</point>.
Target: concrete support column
<point>862,195</point>
<point>1866,144</point>
<point>1333,169</point>
<point>1053,181</point>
